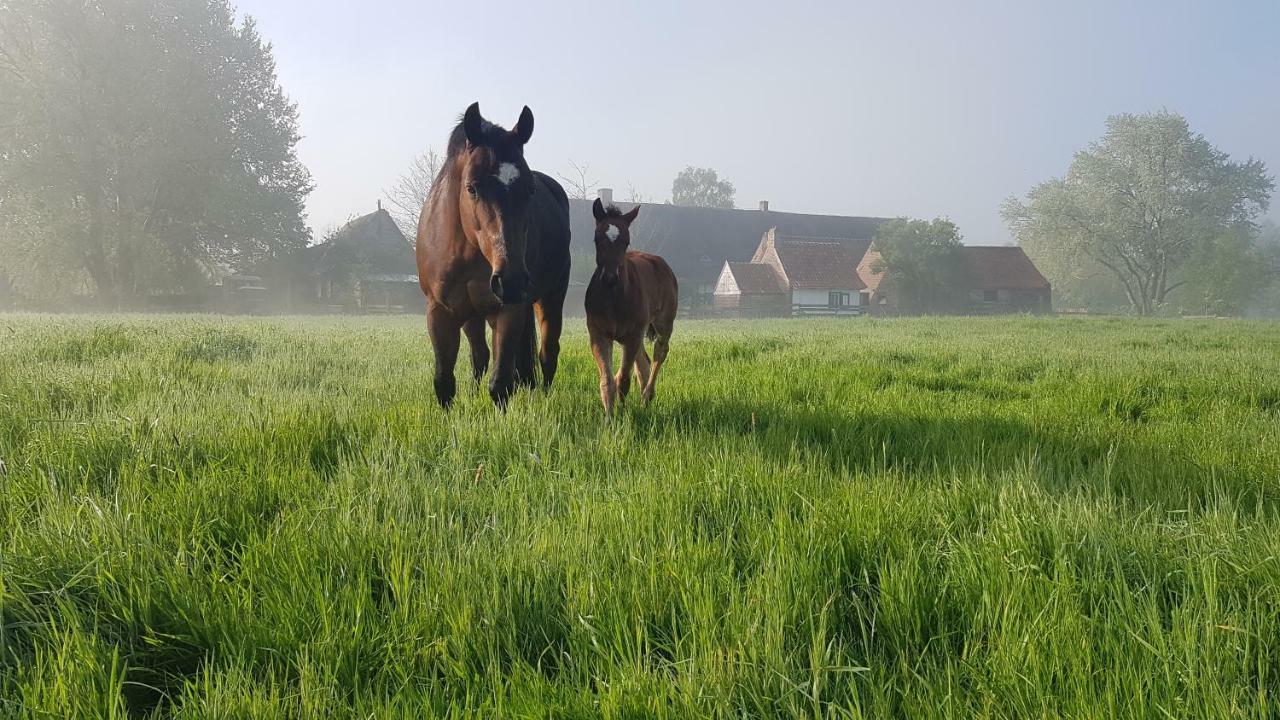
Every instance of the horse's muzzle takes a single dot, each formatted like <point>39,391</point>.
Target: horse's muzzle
<point>512,287</point>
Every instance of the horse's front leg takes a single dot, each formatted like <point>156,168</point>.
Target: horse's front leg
<point>474,329</point>
<point>445,332</point>
<point>602,350</point>
<point>508,332</point>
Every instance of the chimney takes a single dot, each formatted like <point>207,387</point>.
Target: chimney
<point>606,196</point>
<point>379,206</point>
<point>764,206</point>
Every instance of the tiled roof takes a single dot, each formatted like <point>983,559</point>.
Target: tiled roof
<point>1001,268</point>
<point>820,264</point>
<point>756,279</point>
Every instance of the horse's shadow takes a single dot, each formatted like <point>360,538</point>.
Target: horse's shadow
<point>1057,457</point>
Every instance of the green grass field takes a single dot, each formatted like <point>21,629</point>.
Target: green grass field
<point>217,518</point>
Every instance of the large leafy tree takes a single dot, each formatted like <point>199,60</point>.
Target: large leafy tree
<point>1141,203</point>
<point>701,187</point>
<point>921,261</point>
<point>145,143</point>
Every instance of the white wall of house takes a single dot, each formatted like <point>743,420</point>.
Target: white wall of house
<point>821,297</point>
<point>727,284</point>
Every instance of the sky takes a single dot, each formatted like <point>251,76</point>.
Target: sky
<point>921,109</point>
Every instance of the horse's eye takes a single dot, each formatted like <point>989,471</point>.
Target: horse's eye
<point>471,188</point>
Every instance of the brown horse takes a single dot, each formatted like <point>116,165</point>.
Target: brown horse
<point>493,245</point>
<point>632,294</point>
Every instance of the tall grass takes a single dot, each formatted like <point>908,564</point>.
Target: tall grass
<point>207,518</point>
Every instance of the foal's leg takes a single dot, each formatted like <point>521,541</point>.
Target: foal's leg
<point>602,349</point>
<point>660,347</point>
<point>474,329</point>
<point>631,347</point>
<point>445,332</point>
<point>642,368</point>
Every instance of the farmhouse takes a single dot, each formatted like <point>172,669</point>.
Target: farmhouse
<point>796,274</point>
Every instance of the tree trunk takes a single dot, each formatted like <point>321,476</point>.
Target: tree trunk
<point>96,263</point>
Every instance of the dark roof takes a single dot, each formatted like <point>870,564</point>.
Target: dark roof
<point>814,263</point>
<point>697,242</point>
<point>1001,268</point>
<point>756,279</point>
<point>371,242</point>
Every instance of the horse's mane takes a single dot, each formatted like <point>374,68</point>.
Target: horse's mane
<point>458,142</point>
<point>612,211</point>
<point>458,138</point>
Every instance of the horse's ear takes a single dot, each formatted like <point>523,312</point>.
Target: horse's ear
<point>631,216</point>
<point>524,126</point>
<point>473,125</point>
<point>597,209</point>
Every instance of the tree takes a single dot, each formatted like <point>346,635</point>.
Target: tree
<point>146,143</point>
<point>409,193</point>
<point>921,260</point>
<point>701,187</point>
<point>579,185</point>
<point>634,195</point>
<point>1140,202</point>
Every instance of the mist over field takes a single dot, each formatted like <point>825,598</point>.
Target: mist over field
<point>965,316</point>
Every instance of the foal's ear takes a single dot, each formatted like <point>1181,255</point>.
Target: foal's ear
<point>631,216</point>
<point>597,209</point>
<point>473,125</point>
<point>524,126</point>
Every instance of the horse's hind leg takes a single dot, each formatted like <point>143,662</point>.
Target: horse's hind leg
<point>550,323</point>
<point>631,348</point>
<point>474,329</point>
<point>525,374</point>
<point>642,368</point>
<point>660,347</point>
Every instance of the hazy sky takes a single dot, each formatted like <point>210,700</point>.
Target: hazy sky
<point>884,108</point>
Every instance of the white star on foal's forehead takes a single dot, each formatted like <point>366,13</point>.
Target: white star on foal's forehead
<point>612,233</point>
<point>507,173</point>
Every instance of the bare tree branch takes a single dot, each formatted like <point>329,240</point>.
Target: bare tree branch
<point>583,187</point>
<point>409,193</point>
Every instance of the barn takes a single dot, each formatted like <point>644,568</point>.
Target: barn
<point>367,266</point>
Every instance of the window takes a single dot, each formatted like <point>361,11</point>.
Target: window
<point>864,298</point>
<point>837,299</point>
<point>990,296</point>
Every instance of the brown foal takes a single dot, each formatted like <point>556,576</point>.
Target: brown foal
<point>632,294</point>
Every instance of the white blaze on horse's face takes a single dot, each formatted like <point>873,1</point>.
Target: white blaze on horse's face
<point>508,173</point>
<point>612,233</point>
